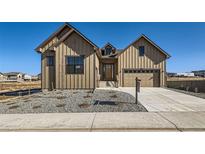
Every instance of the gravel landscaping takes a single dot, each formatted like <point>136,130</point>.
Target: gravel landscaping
<point>60,101</point>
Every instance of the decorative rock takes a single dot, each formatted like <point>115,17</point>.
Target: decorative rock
<point>60,101</point>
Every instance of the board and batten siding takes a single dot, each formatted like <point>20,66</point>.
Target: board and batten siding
<point>97,70</point>
<point>75,45</point>
<point>47,72</point>
<point>152,59</point>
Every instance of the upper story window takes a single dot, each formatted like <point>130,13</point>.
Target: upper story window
<point>50,60</point>
<point>75,64</point>
<point>141,50</point>
<point>108,50</point>
<point>103,52</point>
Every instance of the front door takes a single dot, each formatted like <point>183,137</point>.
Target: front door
<point>108,70</point>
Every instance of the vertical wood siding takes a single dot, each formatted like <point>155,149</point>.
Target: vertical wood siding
<point>153,59</point>
<point>47,72</point>
<point>75,45</point>
<point>97,70</point>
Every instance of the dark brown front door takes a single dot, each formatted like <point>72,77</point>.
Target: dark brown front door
<point>108,70</point>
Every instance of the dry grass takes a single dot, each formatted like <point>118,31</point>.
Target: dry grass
<point>12,86</point>
<point>184,78</point>
<point>5,97</point>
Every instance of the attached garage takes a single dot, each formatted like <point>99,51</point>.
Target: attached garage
<point>149,78</point>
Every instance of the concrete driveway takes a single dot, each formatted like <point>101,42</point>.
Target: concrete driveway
<point>161,99</point>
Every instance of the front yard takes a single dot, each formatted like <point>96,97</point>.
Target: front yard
<point>61,101</point>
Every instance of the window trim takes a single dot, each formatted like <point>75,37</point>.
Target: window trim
<point>74,65</point>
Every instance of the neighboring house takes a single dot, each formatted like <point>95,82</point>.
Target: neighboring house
<point>35,78</point>
<point>186,74</point>
<point>14,76</point>
<point>69,60</point>
<point>39,76</point>
<point>171,74</point>
<point>2,77</point>
<point>27,77</point>
<point>200,73</point>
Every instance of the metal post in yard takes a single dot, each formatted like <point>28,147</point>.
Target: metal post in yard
<point>136,96</point>
<point>137,89</point>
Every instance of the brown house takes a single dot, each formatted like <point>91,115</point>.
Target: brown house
<point>69,60</point>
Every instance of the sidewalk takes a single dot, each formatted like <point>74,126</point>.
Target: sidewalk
<point>118,121</point>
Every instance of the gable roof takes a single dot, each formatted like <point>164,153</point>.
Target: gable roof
<point>13,73</point>
<point>93,44</point>
<point>59,30</point>
<point>150,41</point>
<point>108,44</point>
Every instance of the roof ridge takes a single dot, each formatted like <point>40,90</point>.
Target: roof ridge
<point>149,40</point>
<point>94,45</point>
<point>59,29</point>
<point>108,43</point>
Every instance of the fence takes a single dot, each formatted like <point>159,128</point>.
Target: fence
<point>20,92</point>
<point>188,85</point>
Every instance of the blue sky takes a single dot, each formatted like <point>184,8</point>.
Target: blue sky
<point>185,42</point>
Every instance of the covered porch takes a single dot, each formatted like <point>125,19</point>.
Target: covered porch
<point>108,72</point>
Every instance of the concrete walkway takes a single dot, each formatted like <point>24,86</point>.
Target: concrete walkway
<point>161,99</point>
<point>118,121</point>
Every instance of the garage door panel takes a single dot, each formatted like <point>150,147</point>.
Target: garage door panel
<point>148,79</point>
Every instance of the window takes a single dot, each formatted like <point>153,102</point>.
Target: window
<point>108,50</point>
<point>75,64</point>
<point>50,60</point>
<point>141,50</point>
<point>103,52</point>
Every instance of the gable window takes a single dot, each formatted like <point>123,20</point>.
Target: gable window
<point>50,60</point>
<point>141,50</point>
<point>75,64</point>
<point>108,50</point>
<point>103,52</point>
